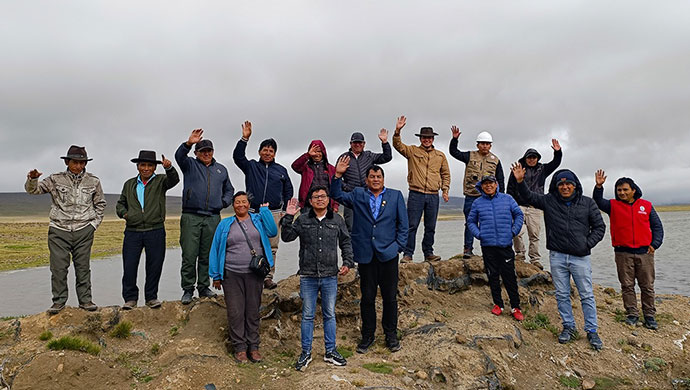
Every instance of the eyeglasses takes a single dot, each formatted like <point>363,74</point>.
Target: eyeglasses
<point>318,197</point>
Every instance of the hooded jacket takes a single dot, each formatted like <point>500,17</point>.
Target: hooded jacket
<point>305,167</point>
<point>495,220</point>
<point>266,182</point>
<point>573,226</point>
<point>634,227</point>
<point>207,189</point>
<point>535,177</point>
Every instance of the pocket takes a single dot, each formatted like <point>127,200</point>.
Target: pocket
<point>62,193</point>
<point>86,195</point>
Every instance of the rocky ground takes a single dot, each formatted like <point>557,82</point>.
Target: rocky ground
<point>449,341</point>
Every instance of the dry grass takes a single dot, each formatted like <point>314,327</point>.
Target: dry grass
<point>25,244</point>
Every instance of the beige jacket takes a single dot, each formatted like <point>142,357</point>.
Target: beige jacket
<point>78,200</point>
<point>427,170</point>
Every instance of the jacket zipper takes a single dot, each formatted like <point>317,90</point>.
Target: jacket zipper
<point>208,185</point>
<point>263,199</point>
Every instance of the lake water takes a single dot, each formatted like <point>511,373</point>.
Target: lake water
<point>28,291</point>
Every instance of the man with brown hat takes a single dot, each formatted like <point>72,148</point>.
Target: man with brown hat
<point>427,173</point>
<point>142,206</point>
<point>76,211</point>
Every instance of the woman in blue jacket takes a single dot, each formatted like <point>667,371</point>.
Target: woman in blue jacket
<point>229,268</point>
<point>494,220</point>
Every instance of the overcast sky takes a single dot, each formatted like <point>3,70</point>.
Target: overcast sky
<point>610,80</point>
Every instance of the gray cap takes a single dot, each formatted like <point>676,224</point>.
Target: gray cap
<point>488,178</point>
<point>357,137</point>
<point>203,144</point>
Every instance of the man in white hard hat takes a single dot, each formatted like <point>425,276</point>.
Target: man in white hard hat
<point>478,163</point>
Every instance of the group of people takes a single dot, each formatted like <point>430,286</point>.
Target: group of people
<point>376,227</point>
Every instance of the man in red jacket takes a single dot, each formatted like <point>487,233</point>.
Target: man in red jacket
<point>636,232</point>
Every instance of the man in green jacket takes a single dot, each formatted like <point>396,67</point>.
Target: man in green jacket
<point>142,205</point>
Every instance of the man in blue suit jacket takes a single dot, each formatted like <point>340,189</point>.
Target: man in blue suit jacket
<point>379,233</point>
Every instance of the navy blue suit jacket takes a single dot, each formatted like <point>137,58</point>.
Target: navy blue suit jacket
<point>383,237</point>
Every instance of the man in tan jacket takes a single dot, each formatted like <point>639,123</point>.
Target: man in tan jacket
<point>427,173</point>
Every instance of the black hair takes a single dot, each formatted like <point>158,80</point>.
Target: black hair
<point>269,142</point>
<point>376,168</point>
<point>240,193</point>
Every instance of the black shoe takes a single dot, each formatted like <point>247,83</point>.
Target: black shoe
<point>631,320</point>
<point>187,297</point>
<point>467,253</point>
<point>650,323</point>
<point>88,306</point>
<point>594,340</point>
<point>206,293</point>
<point>364,345</point>
<point>393,344</point>
<point>56,308</point>
<point>269,284</point>
<point>566,335</point>
<point>334,358</point>
<point>303,361</point>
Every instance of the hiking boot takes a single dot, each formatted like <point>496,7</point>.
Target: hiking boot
<point>537,264</point>
<point>88,306</point>
<point>364,345</point>
<point>392,343</point>
<point>303,361</point>
<point>269,284</point>
<point>497,310</point>
<point>406,259</point>
<point>153,303</point>
<point>594,340</point>
<point>129,305</point>
<point>334,358</point>
<point>56,308</point>
<point>207,293</point>
<point>517,314</point>
<point>187,298</point>
<point>241,357</point>
<point>566,335</point>
<point>650,323</point>
<point>467,253</point>
<point>631,320</point>
<point>255,356</point>
<point>432,257</point>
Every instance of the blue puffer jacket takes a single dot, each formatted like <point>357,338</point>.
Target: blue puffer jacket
<point>495,220</point>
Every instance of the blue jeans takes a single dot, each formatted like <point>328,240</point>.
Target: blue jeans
<point>563,266</point>
<point>418,204</point>
<point>309,288</point>
<point>469,238</point>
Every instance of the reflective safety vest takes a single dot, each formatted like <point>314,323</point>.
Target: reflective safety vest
<point>630,223</point>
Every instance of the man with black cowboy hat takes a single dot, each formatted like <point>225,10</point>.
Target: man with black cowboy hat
<point>207,190</point>
<point>427,173</point>
<point>142,206</point>
<point>76,212</point>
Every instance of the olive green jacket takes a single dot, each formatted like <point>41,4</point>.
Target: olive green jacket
<point>153,215</point>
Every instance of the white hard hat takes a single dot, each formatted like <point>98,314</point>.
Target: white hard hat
<point>484,136</point>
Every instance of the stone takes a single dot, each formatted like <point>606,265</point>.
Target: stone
<point>461,339</point>
<point>422,375</point>
<point>60,368</point>
<point>407,380</point>
<point>588,384</point>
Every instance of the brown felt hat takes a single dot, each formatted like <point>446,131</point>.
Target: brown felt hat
<point>77,153</point>
<point>147,156</point>
<point>426,132</point>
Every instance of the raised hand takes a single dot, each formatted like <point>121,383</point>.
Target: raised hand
<point>599,177</point>
<point>400,123</point>
<point>291,207</point>
<point>342,165</point>
<point>313,149</point>
<point>555,145</point>
<point>383,135</point>
<point>246,129</point>
<point>195,137</point>
<point>518,172</point>
<point>456,131</point>
<point>264,204</point>
<point>166,163</point>
<point>34,174</point>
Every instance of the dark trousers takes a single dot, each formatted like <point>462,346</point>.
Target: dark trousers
<point>418,204</point>
<point>469,238</point>
<point>349,216</point>
<point>153,242</point>
<point>383,274</point>
<point>633,267</point>
<point>196,237</point>
<point>242,300</point>
<point>77,246</point>
<point>499,263</point>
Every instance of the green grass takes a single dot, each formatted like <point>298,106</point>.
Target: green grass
<point>539,321</point>
<point>346,352</point>
<point>619,315</point>
<point>655,364</point>
<point>5,333</point>
<point>569,381</point>
<point>379,368</point>
<point>606,383</point>
<point>155,349</point>
<point>46,335</point>
<point>665,318</point>
<point>74,344</point>
<point>122,330</point>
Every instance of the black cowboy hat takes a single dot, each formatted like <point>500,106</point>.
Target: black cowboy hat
<point>146,156</point>
<point>426,132</point>
<point>77,153</point>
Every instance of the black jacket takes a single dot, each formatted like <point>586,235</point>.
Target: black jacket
<point>207,189</point>
<point>573,227</point>
<point>356,173</point>
<point>318,242</point>
<point>535,176</point>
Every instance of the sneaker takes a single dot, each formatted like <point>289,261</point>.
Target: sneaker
<point>467,253</point>
<point>153,303</point>
<point>497,310</point>
<point>537,264</point>
<point>56,308</point>
<point>255,356</point>
<point>129,305</point>
<point>241,357</point>
<point>650,323</point>
<point>187,298</point>
<point>393,344</point>
<point>334,358</point>
<point>566,335</point>
<point>206,293</point>
<point>631,320</point>
<point>303,361</point>
<point>432,257</point>
<point>406,259</point>
<point>594,340</point>
<point>517,314</point>
<point>364,345</point>
<point>88,306</point>
<point>269,284</point>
